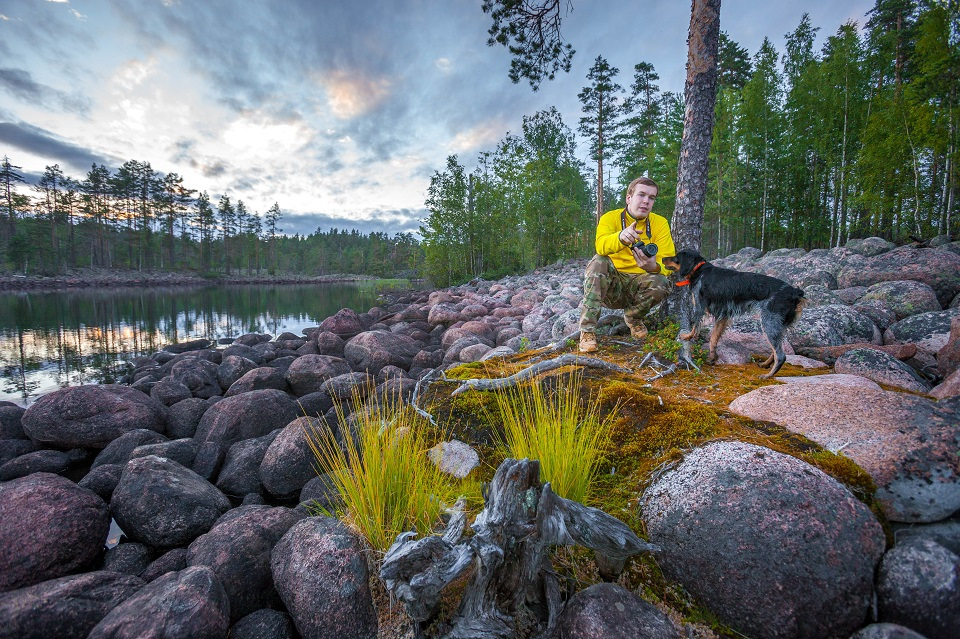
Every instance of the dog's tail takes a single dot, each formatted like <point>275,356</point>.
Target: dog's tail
<point>789,303</point>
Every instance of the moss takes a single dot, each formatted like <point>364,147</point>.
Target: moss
<point>654,424</point>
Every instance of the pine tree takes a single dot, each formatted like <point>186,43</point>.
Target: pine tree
<point>602,103</point>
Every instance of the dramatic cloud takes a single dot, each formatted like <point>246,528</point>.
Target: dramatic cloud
<point>21,85</point>
<point>46,145</point>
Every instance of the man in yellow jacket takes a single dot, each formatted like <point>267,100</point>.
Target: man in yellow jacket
<point>622,274</point>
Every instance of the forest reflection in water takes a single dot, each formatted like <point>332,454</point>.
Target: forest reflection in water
<point>50,340</point>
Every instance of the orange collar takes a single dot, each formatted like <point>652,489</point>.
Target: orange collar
<point>687,281</point>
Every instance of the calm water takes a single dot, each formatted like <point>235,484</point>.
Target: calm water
<point>49,340</point>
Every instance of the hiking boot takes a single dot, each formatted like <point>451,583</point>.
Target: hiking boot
<point>588,342</point>
<point>638,331</point>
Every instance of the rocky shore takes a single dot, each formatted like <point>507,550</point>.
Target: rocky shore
<point>200,459</point>
<point>109,278</point>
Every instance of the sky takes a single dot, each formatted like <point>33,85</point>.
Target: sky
<point>339,111</point>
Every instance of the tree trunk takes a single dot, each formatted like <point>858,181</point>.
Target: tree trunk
<point>700,93</point>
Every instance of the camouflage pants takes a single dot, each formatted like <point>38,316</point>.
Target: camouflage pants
<point>636,293</point>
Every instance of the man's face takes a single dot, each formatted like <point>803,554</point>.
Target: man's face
<point>640,202</point>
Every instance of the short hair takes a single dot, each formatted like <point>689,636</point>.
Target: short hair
<point>642,180</point>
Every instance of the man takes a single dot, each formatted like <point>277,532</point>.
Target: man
<point>620,276</point>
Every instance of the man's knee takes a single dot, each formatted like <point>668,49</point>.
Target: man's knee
<point>659,288</point>
<point>599,265</point>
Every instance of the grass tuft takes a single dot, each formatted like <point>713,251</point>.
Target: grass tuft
<point>384,476</point>
<point>567,435</point>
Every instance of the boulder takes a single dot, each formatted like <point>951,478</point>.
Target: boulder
<point>232,368</point>
<point>102,480</point>
<point>929,331</point>
<point>264,624</point>
<point>919,587</point>
<point>906,443</point>
<point>870,246</point>
<point>184,416</point>
<point>329,344</point>
<point>832,325</point>
<point>372,350</point>
<point>200,375</point>
<point>320,571</point>
<point>238,549</point>
<point>163,504</point>
<point>345,322</point>
<point>904,297</point>
<point>170,561</point>
<point>13,448</point>
<point>829,354</point>
<point>169,391</point>
<point>950,387</point>
<point>937,268</point>
<point>50,528</point>
<point>256,353</point>
<point>130,558</point>
<point>444,314</point>
<point>738,347</point>
<point>119,450</point>
<point>183,451</point>
<point>832,378</point>
<point>454,458</point>
<point>240,474</point>
<point>878,312</point>
<point>343,387</point>
<point>261,378</point>
<point>186,347</point>
<point>65,608</point>
<point>948,357</point>
<point>321,491</point>
<point>40,461</point>
<point>771,545</point>
<point>307,373</point>
<point>886,631</point>
<point>609,611</point>
<point>245,416</point>
<point>289,462</point>
<point>91,416</point>
<point>189,603</point>
<point>881,368</point>
<point>11,425</point>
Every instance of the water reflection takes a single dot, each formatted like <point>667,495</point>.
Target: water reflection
<point>49,340</point>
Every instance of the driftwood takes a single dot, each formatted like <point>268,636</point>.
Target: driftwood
<point>569,359</point>
<point>513,590</point>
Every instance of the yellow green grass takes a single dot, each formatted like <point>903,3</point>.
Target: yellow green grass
<point>560,429</point>
<point>384,476</point>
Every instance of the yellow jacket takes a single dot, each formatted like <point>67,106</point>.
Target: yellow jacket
<point>608,240</point>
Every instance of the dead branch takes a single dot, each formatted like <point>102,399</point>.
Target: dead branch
<point>570,359</point>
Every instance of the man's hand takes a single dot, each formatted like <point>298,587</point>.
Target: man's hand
<point>630,235</point>
<point>648,264</point>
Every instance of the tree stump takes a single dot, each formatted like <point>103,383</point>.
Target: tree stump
<point>513,590</point>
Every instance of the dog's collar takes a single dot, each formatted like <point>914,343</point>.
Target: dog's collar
<point>687,281</point>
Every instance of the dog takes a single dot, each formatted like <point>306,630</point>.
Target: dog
<point>726,294</point>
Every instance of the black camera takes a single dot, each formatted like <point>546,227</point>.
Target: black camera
<point>647,248</point>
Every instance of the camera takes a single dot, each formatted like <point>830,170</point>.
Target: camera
<point>647,248</point>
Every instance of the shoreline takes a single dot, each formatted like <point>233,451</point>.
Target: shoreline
<point>102,278</point>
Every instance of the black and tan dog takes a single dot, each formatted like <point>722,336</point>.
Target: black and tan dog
<point>726,294</point>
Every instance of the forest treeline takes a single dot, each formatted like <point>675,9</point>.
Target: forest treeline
<point>810,148</point>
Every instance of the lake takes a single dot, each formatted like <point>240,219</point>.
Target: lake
<point>54,339</point>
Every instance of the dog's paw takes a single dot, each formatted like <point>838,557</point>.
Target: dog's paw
<point>686,337</point>
<point>712,358</point>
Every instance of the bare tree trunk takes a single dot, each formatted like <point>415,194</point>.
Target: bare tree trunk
<point>700,94</point>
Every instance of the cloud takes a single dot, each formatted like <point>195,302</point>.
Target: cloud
<point>44,144</point>
<point>21,84</point>
<point>350,95</point>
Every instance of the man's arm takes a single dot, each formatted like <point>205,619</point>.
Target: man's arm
<point>608,235</point>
